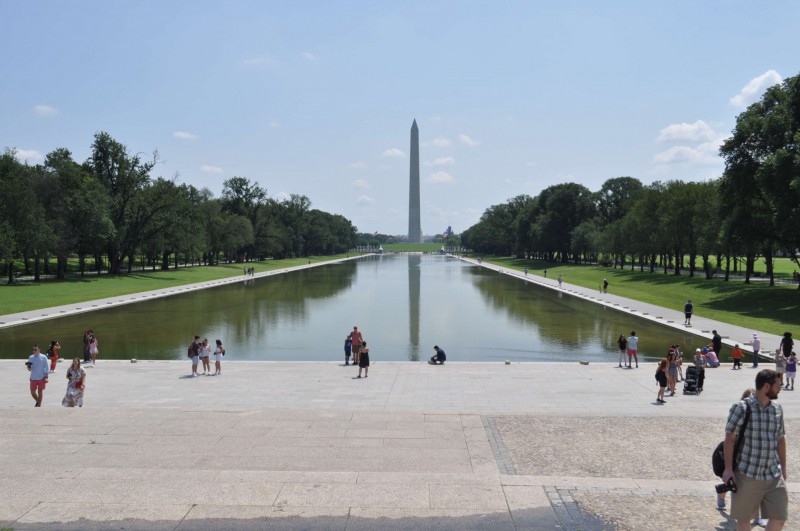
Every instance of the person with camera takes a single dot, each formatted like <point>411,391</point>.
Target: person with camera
<point>39,369</point>
<point>758,476</point>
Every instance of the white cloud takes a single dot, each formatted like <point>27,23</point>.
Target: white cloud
<point>439,142</point>
<point>309,56</point>
<point>444,161</point>
<point>185,135</point>
<point>394,153</point>
<point>365,200</point>
<point>531,164</point>
<point>441,178</point>
<point>211,169</point>
<point>45,110</point>
<point>361,183</point>
<point>754,88</point>
<point>704,154</point>
<point>436,119</point>
<point>697,131</point>
<point>467,141</point>
<point>24,155</point>
<point>274,124</point>
<point>359,165</point>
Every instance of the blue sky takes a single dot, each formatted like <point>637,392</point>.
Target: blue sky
<point>317,98</point>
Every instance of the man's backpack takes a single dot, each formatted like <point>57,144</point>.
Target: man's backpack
<point>190,353</point>
<point>718,457</point>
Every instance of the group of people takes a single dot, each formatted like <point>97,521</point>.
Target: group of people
<point>41,366</point>
<point>628,350</point>
<point>200,352</point>
<point>354,344</point>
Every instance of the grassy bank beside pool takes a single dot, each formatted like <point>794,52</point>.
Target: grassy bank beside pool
<point>27,296</point>
<point>773,309</point>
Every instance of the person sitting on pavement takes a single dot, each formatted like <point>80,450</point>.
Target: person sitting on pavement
<point>711,358</point>
<point>700,359</point>
<point>439,357</point>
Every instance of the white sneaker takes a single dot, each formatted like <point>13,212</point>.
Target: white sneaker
<point>759,522</point>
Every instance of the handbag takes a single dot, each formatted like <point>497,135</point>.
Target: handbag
<point>718,457</point>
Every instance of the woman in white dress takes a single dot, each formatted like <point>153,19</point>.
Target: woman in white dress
<point>76,382</point>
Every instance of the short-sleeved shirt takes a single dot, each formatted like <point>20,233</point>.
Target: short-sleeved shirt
<point>356,338</point>
<point>633,343</point>
<point>688,308</point>
<point>348,345</point>
<point>40,367</point>
<point>759,457</point>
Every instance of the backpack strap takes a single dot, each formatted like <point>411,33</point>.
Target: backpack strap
<point>740,438</point>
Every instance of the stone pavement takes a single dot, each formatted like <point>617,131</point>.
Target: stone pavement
<point>306,446</point>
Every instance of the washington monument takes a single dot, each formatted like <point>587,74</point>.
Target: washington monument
<point>414,229</point>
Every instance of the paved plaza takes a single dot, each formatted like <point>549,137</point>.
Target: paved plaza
<point>292,445</point>
<point>306,446</point>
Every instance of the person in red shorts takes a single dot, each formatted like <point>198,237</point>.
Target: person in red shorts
<point>356,339</point>
<point>52,353</point>
<point>37,366</point>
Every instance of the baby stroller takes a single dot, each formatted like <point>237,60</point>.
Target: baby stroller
<point>693,382</point>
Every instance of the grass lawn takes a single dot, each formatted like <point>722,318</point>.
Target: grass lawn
<point>27,296</point>
<point>412,247</point>
<point>758,306</point>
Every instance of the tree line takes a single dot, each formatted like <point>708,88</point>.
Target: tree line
<point>111,209</point>
<point>751,211</point>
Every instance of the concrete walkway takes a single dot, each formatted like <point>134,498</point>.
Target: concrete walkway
<point>307,446</point>
<point>673,318</point>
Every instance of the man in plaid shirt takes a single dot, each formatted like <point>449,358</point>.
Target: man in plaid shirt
<point>760,472</point>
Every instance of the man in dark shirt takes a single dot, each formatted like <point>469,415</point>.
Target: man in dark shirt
<point>716,343</point>
<point>439,357</point>
<point>687,312</point>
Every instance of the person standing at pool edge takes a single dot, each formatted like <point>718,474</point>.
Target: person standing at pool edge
<point>687,313</point>
<point>756,349</point>
<point>356,339</point>
<point>348,348</point>
<point>633,349</point>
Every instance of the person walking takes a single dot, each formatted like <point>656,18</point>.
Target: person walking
<point>76,383</point>
<point>787,345</point>
<point>52,353</point>
<point>756,349</point>
<point>661,379</point>
<point>737,356</point>
<point>37,366</point>
<point>623,351</point>
<point>687,313</point>
<point>218,354</point>
<point>86,357</point>
<point>560,280</point>
<point>93,347</point>
<point>791,370</point>
<point>780,364</point>
<point>760,471</point>
<point>363,360</point>
<point>672,371</point>
<point>605,286</point>
<point>633,350</point>
<point>356,338</point>
<point>757,520</point>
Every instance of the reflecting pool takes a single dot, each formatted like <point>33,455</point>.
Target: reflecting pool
<point>403,304</point>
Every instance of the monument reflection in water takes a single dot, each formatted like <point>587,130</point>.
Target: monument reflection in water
<point>404,305</point>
